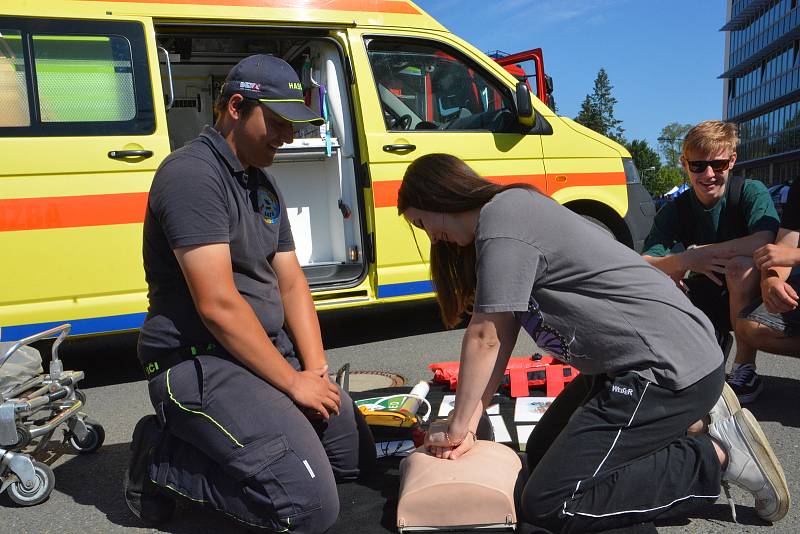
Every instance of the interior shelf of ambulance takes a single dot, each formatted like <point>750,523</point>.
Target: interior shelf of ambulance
<point>316,173</point>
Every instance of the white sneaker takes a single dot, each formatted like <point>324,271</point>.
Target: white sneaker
<point>726,406</point>
<point>752,465</point>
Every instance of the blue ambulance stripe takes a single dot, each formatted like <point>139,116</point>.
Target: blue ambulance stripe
<point>132,321</point>
<point>406,288</point>
<point>94,325</point>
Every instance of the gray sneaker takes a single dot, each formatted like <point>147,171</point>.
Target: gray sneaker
<point>752,465</point>
<point>726,406</point>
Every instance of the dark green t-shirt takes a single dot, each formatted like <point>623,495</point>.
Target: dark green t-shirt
<point>756,205</point>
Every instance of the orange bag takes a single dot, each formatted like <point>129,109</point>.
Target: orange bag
<point>521,374</point>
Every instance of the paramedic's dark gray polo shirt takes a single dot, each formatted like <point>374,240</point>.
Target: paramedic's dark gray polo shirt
<point>201,195</point>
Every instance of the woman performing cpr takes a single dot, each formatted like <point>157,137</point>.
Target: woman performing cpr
<point>644,432</point>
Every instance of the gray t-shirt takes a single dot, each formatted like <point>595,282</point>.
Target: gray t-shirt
<point>586,298</point>
<point>201,195</point>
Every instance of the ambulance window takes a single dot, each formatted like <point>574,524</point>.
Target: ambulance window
<point>66,77</point>
<point>13,87</point>
<point>425,86</point>
<point>84,78</point>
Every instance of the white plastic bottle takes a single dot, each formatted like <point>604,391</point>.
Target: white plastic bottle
<point>412,403</point>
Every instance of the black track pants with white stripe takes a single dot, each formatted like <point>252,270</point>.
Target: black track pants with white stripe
<point>612,452</point>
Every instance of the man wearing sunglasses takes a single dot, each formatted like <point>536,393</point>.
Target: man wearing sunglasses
<point>720,221</point>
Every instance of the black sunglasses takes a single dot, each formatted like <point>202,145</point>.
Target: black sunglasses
<point>717,165</point>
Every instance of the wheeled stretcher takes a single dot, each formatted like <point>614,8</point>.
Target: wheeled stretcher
<point>33,405</point>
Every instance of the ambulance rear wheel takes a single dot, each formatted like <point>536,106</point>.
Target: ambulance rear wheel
<point>43,483</point>
<point>95,436</point>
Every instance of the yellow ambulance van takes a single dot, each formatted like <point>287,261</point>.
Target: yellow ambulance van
<point>95,93</point>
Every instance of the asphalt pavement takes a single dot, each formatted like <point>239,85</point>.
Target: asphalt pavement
<point>400,339</point>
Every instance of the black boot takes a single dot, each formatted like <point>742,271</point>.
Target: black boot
<point>147,501</point>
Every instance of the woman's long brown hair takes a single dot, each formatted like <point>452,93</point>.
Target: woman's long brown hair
<point>443,183</point>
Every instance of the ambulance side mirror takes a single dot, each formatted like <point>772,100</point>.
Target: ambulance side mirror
<point>524,105</point>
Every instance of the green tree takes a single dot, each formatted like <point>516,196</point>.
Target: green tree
<point>665,179</point>
<point>645,158</point>
<point>597,109</point>
<point>589,116</point>
<point>670,142</point>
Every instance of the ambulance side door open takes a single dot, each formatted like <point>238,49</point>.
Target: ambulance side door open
<point>81,134</point>
<point>420,93</point>
<point>529,66</point>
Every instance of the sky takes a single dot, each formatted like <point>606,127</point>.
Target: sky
<point>662,57</point>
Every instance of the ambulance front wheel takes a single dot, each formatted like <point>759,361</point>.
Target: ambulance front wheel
<point>600,224</point>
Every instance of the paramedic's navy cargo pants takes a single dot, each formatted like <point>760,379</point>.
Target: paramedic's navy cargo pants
<point>613,452</point>
<point>238,444</point>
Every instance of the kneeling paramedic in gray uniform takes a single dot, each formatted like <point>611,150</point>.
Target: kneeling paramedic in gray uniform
<point>247,420</point>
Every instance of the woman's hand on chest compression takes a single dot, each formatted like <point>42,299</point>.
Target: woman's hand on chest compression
<point>445,441</point>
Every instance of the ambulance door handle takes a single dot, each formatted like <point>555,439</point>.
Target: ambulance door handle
<point>122,154</point>
<point>399,148</point>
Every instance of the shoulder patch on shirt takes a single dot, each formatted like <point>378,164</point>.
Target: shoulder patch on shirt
<point>268,205</point>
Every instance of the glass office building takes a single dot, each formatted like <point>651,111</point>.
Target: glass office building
<point>762,86</point>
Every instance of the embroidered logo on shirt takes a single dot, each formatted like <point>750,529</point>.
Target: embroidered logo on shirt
<point>268,205</point>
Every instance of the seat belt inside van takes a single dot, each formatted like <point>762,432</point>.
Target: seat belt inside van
<point>323,106</point>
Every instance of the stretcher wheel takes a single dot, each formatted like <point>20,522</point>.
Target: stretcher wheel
<point>23,437</point>
<point>43,485</point>
<point>94,439</point>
